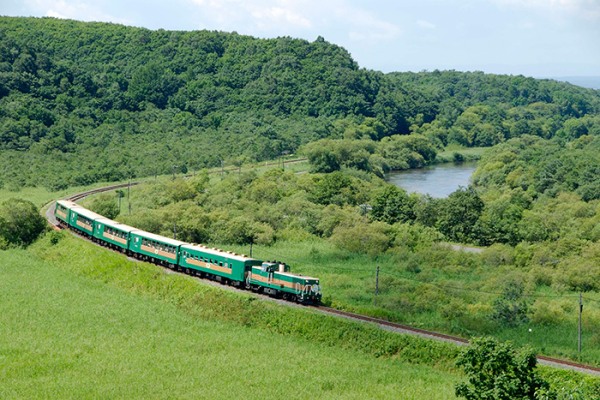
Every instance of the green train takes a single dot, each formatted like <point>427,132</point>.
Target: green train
<point>271,278</point>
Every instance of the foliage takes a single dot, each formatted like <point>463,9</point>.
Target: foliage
<point>20,223</point>
<point>88,102</point>
<point>458,215</point>
<point>393,205</point>
<point>362,237</point>
<point>510,309</point>
<point>496,371</point>
<point>107,205</point>
<point>336,188</point>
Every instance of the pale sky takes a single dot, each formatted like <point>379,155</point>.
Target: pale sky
<point>540,38</point>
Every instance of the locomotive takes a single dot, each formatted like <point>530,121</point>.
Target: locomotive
<point>270,277</point>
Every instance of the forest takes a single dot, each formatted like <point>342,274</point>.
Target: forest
<point>87,102</point>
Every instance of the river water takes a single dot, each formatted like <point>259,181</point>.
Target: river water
<point>437,181</point>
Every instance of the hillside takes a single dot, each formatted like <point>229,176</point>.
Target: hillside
<point>69,332</point>
<point>84,102</point>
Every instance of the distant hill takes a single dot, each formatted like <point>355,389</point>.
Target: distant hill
<point>591,82</point>
<point>82,102</point>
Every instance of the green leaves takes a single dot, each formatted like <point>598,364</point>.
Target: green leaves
<point>495,371</point>
<point>20,223</point>
<point>458,215</point>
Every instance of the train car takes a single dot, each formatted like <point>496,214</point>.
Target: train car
<point>274,279</point>
<point>159,249</point>
<point>113,233</point>
<point>83,219</point>
<point>218,264</point>
<point>62,211</point>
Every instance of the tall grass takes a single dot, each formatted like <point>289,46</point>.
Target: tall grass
<point>78,321</point>
<point>106,327</point>
<point>452,293</point>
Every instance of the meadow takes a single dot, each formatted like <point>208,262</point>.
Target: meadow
<point>444,290</point>
<point>77,321</point>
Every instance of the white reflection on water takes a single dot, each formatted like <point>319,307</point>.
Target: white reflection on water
<point>437,181</point>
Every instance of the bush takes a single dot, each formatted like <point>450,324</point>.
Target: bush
<point>510,309</point>
<point>20,223</point>
<point>362,237</point>
<point>106,205</point>
<point>496,371</point>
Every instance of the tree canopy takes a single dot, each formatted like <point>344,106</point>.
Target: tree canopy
<point>84,102</point>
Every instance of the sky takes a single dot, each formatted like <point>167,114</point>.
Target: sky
<point>539,38</point>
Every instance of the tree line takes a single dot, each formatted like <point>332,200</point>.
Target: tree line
<point>85,102</point>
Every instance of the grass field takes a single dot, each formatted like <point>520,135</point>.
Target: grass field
<point>72,334</point>
<point>455,297</point>
<point>79,321</point>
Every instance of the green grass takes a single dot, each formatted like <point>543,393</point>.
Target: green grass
<point>469,153</point>
<point>79,321</point>
<point>105,327</point>
<point>456,298</point>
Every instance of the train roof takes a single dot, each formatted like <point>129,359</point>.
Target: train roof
<point>85,212</point>
<point>115,224</point>
<point>288,274</point>
<point>67,203</point>
<point>218,252</point>
<point>158,238</point>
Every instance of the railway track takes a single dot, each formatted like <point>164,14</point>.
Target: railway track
<point>383,324</point>
<point>406,329</point>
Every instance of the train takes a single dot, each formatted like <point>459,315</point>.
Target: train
<point>272,278</point>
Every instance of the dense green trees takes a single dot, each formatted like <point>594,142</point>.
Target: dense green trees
<point>84,102</point>
<point>393,205</point>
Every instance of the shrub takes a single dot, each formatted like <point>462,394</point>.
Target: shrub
<point>510,309</point>
<point>362,237</point>
<point>20,223</point>
<point>496,371</point>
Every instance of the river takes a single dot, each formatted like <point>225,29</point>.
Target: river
<point>438,180</point>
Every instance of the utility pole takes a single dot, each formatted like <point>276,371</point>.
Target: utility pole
<point>174,230</point>
<point>579,327</point>
<point>376,285</point>
<point>128,192</point>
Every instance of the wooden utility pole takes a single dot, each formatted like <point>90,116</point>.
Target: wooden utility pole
<point>376,285</point>
<point>579,327</point>
<point>128,192</point>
